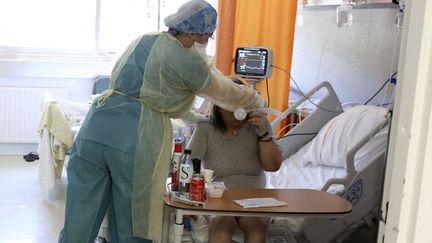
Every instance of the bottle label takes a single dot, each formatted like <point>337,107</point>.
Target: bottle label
<point>176,160</point>
<point>186,172</point>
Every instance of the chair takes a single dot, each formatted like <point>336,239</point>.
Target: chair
<point>101,84</point>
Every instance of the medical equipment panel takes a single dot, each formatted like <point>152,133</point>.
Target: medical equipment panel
<point>253,62</point>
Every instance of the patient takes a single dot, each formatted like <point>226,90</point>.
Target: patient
<point>239,152</point>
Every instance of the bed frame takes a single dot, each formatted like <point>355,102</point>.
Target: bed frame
<point>362,188</point>
<point>312,123</point>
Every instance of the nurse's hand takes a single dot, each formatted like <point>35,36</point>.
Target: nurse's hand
<point>258,119</point>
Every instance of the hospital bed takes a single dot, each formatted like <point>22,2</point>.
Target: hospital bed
<point>322,161</point>
<point>356,139</point>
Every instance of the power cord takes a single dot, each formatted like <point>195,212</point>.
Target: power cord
<point>391,79</point>
<point>289,125</point>
<point>302,94</point>
<point>298,134</point>
<point>268,94</point>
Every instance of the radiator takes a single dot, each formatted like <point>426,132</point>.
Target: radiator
<point>20,112</point>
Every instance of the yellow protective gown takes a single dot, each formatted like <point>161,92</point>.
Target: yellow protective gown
<point>163,77</point>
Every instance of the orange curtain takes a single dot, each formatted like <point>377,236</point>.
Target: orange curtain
<point>225,35</point>
<point>259,23</point>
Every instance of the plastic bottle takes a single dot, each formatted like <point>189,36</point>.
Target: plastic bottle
<point>344,15</point>
<point>175,164</point>
<point>185,174</point>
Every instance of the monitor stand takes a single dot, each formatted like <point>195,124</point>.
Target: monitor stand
<point>252,83</point>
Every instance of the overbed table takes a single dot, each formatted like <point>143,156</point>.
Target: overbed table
<point>303,203</point>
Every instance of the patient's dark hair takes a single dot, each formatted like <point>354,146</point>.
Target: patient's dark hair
<point>216,116</point>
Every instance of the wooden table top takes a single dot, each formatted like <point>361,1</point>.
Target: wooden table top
<point>299,201</point>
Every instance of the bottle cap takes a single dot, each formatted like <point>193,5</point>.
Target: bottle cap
<point>187,151</point>
<point>178,147</point>
<point>196,165</point>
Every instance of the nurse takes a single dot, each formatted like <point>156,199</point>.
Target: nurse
<point>121,155</point>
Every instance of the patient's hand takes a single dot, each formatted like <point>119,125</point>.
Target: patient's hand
<point>258,119</point>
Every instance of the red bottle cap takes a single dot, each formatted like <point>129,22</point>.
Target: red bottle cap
<point>178,147</point>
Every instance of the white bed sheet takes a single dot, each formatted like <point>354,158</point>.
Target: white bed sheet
<point>292,173</point>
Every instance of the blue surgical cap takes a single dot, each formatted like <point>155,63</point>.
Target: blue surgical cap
<point>195,16</point>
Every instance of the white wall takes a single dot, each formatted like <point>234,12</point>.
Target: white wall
<point>356,60</point>
<point>79,88</point>
<point>409,167</point>
<point>76,76</point>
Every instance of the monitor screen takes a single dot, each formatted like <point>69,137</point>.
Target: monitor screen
<point>253,62</point>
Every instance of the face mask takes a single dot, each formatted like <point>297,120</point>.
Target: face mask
<point>200,48</point>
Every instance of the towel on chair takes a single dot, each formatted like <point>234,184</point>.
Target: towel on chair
<point>56,139</point>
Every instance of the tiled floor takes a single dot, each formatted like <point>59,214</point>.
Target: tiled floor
<point>25,215</point>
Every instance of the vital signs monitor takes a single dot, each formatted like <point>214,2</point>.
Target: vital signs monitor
<point>253,62</point>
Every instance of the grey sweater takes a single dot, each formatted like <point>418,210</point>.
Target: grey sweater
<point>235,160</point>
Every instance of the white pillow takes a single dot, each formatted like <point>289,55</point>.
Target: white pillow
<point>341,133</point>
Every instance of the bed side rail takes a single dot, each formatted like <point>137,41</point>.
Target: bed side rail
<point>290,142</point>
<point>351,171</point>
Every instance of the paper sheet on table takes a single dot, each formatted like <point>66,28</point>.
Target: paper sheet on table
<point>260,202</point>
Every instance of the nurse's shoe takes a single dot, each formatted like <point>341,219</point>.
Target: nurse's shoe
<point>100,239</point>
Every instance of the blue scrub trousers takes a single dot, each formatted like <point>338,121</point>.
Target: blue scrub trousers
<point>99,177</point>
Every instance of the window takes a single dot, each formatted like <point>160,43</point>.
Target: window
<point>47,23</point>
<point>78,28</point>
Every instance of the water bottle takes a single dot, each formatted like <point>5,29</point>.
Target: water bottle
<point>185,174</point>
